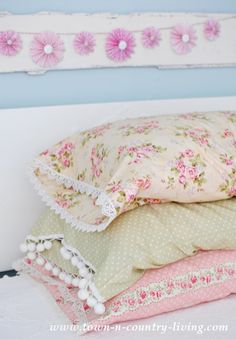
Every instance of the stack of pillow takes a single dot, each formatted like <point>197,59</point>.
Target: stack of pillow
<point>142,217</point>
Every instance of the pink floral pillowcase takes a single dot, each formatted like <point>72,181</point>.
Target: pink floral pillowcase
<point>93,176</point>
<point>208,276</point>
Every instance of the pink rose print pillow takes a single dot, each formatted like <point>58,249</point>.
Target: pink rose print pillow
<point>208,276</point>
<point>93,176</point>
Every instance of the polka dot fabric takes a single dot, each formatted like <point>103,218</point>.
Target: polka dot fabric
<point>148,237</point>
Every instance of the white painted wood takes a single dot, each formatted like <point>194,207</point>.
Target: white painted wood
<point>24,132</point>
<point>221,52</point>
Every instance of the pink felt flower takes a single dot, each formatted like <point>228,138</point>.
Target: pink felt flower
<point>151,37</point>
<point>84,43</point>
<point>10,43</point>
<point>211,29</point>
<point>183,38</point>
<point>47,49</point>
<point>119,45</point>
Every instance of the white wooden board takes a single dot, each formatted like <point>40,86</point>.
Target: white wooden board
<point>218,53</point>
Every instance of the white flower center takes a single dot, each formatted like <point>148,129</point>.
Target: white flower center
<point>9,42</point>
<point>185,38</point>
<point>122,45</point>
<point>48,49</point>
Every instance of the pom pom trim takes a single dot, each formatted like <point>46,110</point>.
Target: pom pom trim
<point>90,290</point>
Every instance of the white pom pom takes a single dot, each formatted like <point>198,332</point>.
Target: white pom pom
<point>91,301</point>
<point>83,283</point>
<point>67,255</point>
<point>23,248</point>
<point>80,264</point>
<point>31,247</point>
<point>92,286</point>
<point>75,282</point>
<point>31,255</point>
<point>68,279</point>
<point>56,271</point>
<point>99,309</point>
<point>97,296</point>
<point>83,272</point>
<point>40,261</point>
<point>47,244</point>
<point>48,266</point>
<point>40,247</point>
<point>62,275</point>
<point>74,261</point>
<point>62,250</point>
<point>83,294</point>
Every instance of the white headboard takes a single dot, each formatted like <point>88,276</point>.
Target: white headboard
<point>24,132</point>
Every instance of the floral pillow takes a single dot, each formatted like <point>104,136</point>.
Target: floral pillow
<point>93,176</point>
<point>103,264</point>
<point>208,276</point>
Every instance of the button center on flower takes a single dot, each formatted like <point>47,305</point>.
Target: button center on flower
<point>9,42</point>
<point>122,45</point>
<point>48,49</point>
<point>185,38</point>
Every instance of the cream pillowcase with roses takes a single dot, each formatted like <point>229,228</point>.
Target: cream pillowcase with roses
<point>93,176</point>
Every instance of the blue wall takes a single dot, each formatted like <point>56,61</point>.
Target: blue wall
<point>71,87</point>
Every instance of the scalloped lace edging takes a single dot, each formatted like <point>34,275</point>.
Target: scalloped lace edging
<point>108,208</point>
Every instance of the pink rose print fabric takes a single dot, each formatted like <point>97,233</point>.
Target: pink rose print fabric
<point>94,176</point>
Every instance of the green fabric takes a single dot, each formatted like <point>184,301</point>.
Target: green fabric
<point>147,237</point>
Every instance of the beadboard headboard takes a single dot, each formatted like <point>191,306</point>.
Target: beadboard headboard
<point>24,132</point>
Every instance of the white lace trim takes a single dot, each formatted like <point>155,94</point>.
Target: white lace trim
<point>60,237</point>
<point>29,271</point>
<point>102,200</point>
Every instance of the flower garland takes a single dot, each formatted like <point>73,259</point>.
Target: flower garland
<point>47,48</point>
